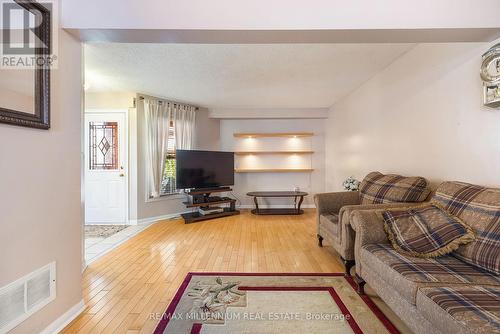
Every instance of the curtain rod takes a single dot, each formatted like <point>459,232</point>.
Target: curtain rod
<point>161,101</point>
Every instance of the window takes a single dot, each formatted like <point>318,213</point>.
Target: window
<point>103,138</point>
<point>176,131</point>
<point>168,186</point>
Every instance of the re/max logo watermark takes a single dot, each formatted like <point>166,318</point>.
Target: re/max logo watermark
<point>28,34</point>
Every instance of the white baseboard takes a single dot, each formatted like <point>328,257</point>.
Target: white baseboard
<point>84,264</point>
<point>275,206</point>
<point>61,322</point>
<point>107,223</point>
<point>149,220</point>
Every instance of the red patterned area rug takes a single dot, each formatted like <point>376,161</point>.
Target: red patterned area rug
<point>212,303</point>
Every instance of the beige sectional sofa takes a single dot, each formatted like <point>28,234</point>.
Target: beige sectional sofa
<point>376,191</point>
<point>455,293</point>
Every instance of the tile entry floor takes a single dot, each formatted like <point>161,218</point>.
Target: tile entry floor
<point>100,239</point>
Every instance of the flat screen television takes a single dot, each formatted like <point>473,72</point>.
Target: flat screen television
<point>204,169</point>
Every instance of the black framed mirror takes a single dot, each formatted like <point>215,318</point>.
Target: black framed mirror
<point>25,67</point>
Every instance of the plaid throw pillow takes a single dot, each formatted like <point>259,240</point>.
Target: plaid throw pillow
<point>377,188</point>
<point>426,231</point>
<point>478,207</point>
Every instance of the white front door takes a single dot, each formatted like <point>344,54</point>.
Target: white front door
<point>106,194</point>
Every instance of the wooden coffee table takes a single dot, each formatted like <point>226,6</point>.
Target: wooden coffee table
<point>278,211</point>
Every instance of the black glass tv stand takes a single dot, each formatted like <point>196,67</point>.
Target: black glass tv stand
<point>201,198</point>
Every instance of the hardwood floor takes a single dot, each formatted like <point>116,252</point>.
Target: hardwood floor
<point>125,287</point>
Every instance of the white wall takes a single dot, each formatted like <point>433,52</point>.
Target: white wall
<point>244,182</point>
<point>40,208</point>
<point>422,115</point>
<point>280,14</point>
<point>109,100</point>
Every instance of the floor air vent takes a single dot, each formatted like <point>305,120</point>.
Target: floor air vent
<point>22,298</point>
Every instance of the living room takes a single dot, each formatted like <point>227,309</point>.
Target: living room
<point>257,173</point>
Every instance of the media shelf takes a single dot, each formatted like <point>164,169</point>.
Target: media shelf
<point>193,217</point>
<point>272,152</point>
<point>208,191</point>
<point>200,198</point>
<point>194,205</point>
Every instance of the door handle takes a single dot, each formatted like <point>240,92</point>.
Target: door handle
<point>122,173</point>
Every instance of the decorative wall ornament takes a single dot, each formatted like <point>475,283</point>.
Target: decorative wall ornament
<point>490,74</point>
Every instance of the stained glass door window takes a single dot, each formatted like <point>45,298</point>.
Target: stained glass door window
<point>103,148</point>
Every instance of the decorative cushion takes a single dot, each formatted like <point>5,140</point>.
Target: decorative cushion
<point>406,274</point>
<point>474,309</point>
<point>479,208</point>
<point>378,188</point>
<point>425,231</point>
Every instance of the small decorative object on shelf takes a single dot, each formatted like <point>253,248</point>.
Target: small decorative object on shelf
<point>490,74</point>
<point>351,184</point>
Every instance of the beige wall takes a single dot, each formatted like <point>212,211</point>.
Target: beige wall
<point>422,115</point>
<point>40,213</point>
<point>207,131</point>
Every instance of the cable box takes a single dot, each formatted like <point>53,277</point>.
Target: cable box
<point>210,210</point>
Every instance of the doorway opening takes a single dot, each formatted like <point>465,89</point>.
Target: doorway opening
<point>105,181</point>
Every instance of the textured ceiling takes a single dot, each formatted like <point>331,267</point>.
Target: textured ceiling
<point>230,75</point>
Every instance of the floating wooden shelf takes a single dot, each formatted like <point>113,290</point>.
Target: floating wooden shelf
<point>273,152</point>
<point>273,170</point>
<point>282,134</point>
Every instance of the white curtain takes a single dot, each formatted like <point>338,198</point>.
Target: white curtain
<point>158,115</point>
<point>184,117</point>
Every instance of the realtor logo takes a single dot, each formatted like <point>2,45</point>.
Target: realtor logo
<point>28,33</point>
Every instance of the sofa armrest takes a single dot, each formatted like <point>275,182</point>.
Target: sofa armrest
<point>346,211</point>
<point>332,202</point>
<point>369,228</point>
